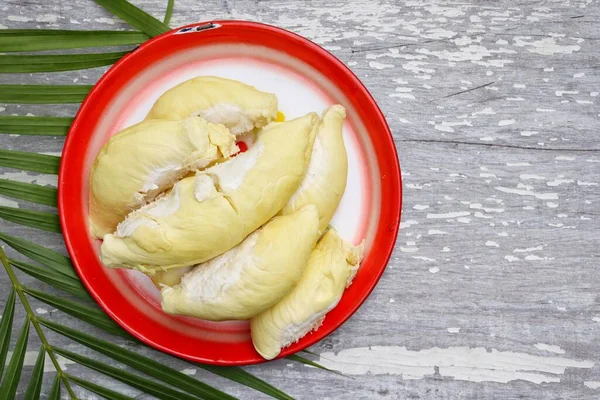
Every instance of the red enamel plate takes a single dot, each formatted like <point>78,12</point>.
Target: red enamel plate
<point>305,78</point>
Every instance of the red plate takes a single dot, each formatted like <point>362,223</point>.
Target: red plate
<point>305,78</point>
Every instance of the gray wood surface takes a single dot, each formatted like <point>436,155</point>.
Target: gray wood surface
<point>492,291</point>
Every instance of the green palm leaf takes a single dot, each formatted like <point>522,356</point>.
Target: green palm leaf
<point>35,219</point>
<point>15,366</point>
<point>145,385</point>
<point>52,259</point>
<point>6,328</point>
<point>35,382</point>
<point>29,192</point>
<point>44,163</point>
<point>169,12</point>
<point>56,63</point>
<point>139,362</point>
<point>93,316</point>
<point>55,390</point>
<point>43,126</point>
<point>43,94</point>
<point>306,361</point>
<point>55,39</point>
<point>134,16</point>
<point>245,378</point>
<point>52,278</point>
<point>101,390</point>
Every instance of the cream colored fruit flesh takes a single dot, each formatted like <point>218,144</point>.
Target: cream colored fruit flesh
<point>331,268</point>
<point>325,179</point>
<point>252,276</point>
<point>207,214</point>
<point>141,161</point>
<point>238,106</point>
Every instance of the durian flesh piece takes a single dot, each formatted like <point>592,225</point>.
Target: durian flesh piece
<point>325,179</point>
<point>207,214</point>
<point>141,161</point>
<point>331,268</point>
<point>238,106</point>
<point>252,276</point>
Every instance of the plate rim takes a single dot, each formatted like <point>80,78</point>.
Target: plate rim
<point>394,175</point>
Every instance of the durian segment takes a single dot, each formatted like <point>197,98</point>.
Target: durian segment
<point>325,179</point>
<point>207,214</point>
<point>141,161</point>
<point>331,268</point>
<point>252,276</point>
<point>238,106</point>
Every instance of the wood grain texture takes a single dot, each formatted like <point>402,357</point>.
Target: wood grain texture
<point>494,110</point>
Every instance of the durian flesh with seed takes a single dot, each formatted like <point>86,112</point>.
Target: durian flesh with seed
<point>207,214</point>
<point>252,276</point>
<point>331,268</point>
<point>325,179</point>
<point>141,161</point>
<point>238,106</point>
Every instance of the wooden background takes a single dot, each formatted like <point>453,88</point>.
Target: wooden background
<point>492,291</point>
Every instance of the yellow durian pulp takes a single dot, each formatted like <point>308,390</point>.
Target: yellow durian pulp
<point>252,276</point>
<point>331,268</point>
<point>207,214</point>
<point>141,161</point>
<point>238,106</point>
<point>325,179</point>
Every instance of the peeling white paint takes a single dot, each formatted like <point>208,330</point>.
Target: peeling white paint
<point>506,122</point>
<point>448,215</point>
<point>461,363</point>
<point>560,93</point>
<point>436,232</point>
<point>550,348</point>
<point>408,249</point>
<point>592,384</point>
<point>408,223</point>
<point>189,371</point>
<point>424,258</point>
<point>528,249</point>
<point>43,179</point>
<point>523,190</point>
<point>533,257</point>
<point>479,206</point>
<point>559,181</point>
<point>529,133</point>
<point>547,46</point>
<point>378,65</point>
<point>8,202</point>
<point>526,177</point>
